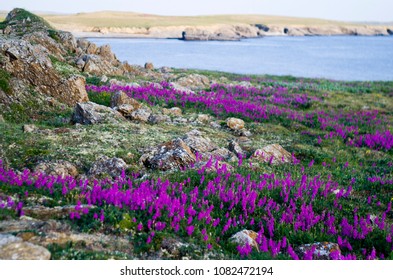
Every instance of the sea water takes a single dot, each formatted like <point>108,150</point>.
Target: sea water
<point>350,58</point>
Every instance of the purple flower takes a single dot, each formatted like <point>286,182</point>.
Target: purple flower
<point>190,230</point>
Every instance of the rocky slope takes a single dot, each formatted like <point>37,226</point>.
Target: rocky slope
<point>40,64</point>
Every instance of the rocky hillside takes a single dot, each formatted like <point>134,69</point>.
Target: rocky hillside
<point>42,67</point>
<point>100,159</point>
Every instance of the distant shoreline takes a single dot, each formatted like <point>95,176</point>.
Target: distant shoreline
<point>109,24</point>
<point>229,32</point>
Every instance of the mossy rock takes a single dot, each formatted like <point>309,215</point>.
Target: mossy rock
<point>18,15</point>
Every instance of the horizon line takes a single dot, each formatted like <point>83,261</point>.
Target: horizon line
<point>40,12</point>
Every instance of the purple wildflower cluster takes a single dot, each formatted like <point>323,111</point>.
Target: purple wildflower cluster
<point>276,207</point>
<point>365,128</point>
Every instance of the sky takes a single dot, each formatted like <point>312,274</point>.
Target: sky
<point>346,10</point>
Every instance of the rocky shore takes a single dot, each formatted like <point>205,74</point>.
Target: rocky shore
<point>226,32</point>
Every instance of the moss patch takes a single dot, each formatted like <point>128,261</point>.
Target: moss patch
<point>4,81</point>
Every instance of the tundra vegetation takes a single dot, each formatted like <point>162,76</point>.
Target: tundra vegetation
<point>108,160</point>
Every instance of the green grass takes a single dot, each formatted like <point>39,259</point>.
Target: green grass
<point>103,98</point>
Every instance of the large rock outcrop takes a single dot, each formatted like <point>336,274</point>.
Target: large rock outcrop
<point>30,65</point>
<point>31,54</point>
<point>38,62</point>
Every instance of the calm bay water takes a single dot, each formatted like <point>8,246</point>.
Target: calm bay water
<point>339,58</point>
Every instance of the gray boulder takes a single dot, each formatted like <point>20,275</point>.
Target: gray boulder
<point>172,155</point>
<point>108,166</point>
<point>322,250</point>
<point>92,113</point>
<point>57,168</point>
<point>141,115</point>
<point>158,118</point>
<point>236,149</point>
<point>197,143</point>
<point>121,98</point>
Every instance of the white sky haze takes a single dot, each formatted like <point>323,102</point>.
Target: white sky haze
<point>347,10</point>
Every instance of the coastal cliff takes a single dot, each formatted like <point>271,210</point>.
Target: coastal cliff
<point>230,32</point>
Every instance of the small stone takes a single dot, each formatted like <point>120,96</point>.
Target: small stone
<point>104,79</point>
<point>180,120</point>
<point>173,246</point>
<point>149,66</point>
<point>180,88</point>
<point>7,239</point>
<point>133,85</point>
<point>141,114</point>
<point>274,153</point>
<point>197,143</point>
<point>125,109</point>
<point>14,248</point>
<point>242,132</point>
<point>194,81</point>
<point>215,125</point>
<point>47,213</point>
<point>235,124</point>
<point>80,63</point>
<point>222,154</point>
<point>24,251</point>
<point>51,101</point>
<point>26,223</point>
<point>26,236</point>
<point>165,70</point>
<point>203,118</point>
<point>113,82</point>
<point>322,251</point>
<point>29,128</point>
<point>120,98</point>
<point>155,119</point>
<point>169,156</point>
<point>244,140</point>
<point>236,149</point>
<point>245,237</point>
<point>336,191</point>
<point>108,166</point>
<point>175,111</point>
<point>57,168</point>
